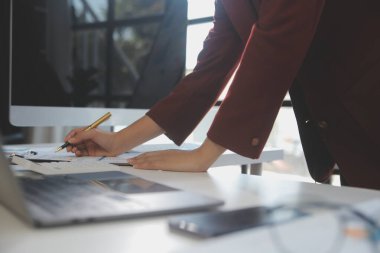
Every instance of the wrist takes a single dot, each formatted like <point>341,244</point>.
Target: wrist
<point>209,151</point>
<point>136,134</point>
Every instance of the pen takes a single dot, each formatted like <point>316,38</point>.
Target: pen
<point>93,125</point>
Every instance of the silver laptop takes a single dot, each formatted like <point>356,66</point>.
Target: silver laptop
<point>44,201</point>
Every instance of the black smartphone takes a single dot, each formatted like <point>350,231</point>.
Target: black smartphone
<point>216,223</point>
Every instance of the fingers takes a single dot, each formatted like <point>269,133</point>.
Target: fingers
<point>171,160</point>
<point>69,136</point>
<point>148,160</point>
<point>72,133</point>
<point>79,141</point>
<point>80,150</point>
<point>81,136</point>
<point>90,143</point>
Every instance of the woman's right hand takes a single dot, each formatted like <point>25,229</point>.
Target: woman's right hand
<point>96,142</point>
<point>93,142</point>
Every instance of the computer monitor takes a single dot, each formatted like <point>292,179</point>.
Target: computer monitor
<point>73,60</point>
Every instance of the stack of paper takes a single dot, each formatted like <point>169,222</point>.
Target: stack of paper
<point>58,168</point>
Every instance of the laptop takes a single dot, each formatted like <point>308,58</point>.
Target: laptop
<point>46,201</point>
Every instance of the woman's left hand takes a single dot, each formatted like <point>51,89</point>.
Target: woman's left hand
<point>197,160</point>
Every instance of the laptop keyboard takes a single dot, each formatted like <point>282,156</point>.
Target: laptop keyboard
<point>64,194</point>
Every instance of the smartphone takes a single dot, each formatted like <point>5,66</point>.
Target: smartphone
<point>216,223</point>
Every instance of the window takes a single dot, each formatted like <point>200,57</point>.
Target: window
<point>200,16</point>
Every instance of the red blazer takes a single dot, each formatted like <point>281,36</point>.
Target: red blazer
<point>330,47</point>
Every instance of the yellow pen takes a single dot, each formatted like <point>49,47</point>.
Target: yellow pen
<point>93,125</point>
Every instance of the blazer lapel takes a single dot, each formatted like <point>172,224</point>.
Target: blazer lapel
<point>242,16</point>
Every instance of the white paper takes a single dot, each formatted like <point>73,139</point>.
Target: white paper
<point>61,168</point>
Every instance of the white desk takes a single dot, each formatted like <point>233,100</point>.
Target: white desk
<point>152,234</point>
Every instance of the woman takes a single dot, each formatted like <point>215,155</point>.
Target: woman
<point>332,56</point>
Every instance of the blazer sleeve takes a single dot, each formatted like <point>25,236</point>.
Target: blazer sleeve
<point>181,111</point>
<point>276,48</point>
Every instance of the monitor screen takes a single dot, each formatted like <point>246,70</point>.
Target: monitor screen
<point>73,60</point>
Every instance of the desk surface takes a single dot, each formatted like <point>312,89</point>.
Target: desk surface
<point>152,234</point>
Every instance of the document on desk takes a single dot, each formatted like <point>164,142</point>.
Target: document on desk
<point>60,168</point>
<point>45,160</point>
<point>48,154</point>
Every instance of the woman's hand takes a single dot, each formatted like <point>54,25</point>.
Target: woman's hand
<point>93,142</point>
<point>100,143</point>
<point>197,160</point>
